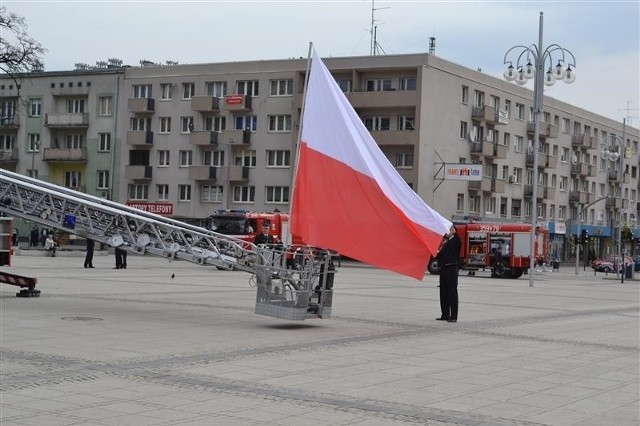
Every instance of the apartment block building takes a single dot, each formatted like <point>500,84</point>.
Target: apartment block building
<point>185,140</point>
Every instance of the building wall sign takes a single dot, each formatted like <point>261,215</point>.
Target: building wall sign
<point>165,209</point>
<point>234,99</point>
<point>503,116</point>
<point>468,172</point>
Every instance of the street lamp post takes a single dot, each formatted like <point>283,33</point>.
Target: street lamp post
<point>521,73</point>
<point>613,148</point>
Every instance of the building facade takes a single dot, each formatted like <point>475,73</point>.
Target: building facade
<point>185,140</point>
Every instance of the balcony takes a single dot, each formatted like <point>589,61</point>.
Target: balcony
<point>138,172</point>
<point>540,194</point>
<point>238,173</point>
<point>384,99</point>
<point>395,137</point>
<point>204,138</point>
<point>205,104</point>
<point>578,197</point>
<point>8,123</point>
<point>10,156</point>
<point>593,170</point>
<point>66,120</point>
<point>140,138</point>
<point>580,169</point>
<point>240,138</point>
<point>238,103</point>
<point>494,150</point>
<point>498,185</point>
<point>610,203</point>
<point>489,115</point>
<point>542,160</point>
<point>64,155</point>
<point>546,130</point>
<point>549,193</point>
<point>476,148</point>
<point>552,162</point>
<point>584,141</point>
<point>203,173</point>
<point>141,105</point>
<point>483,185</point>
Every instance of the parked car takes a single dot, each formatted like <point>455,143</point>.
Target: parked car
<point>636,263</point>
<point>612,264</point>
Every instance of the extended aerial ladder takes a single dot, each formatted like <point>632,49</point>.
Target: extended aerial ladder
<point>292,282</point>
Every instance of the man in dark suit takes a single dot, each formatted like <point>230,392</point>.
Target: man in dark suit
<point>448,258</point>
<point>88,258</point>
<point>265,237</point>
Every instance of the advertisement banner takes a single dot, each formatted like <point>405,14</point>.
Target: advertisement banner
<point>468,172</point>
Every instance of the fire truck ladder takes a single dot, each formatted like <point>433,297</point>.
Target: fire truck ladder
<point>273,269</point>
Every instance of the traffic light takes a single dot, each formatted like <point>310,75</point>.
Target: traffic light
<point>584,236</point>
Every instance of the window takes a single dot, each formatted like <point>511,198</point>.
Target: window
<point>506,139</point>
<point>505,172</point>
<point>105,105</point>
<point>562,212</point>
<point>166,91</point>
<point>244,194</point>
<point>377,123</point>
<point>345,85</point>
<point>165,124</point>
<point>518,142</point>
<point>378,85</point>
<point>517,174</point>
<point>7,142</point>
<point>103,179</point>
<point>474,203</point>
<point>141,91</point>
<point>75,141</point>
<point>552,211</point>
<point>72,179</point>
<point>163,158</point>
<point>75,106</point>
<point>188,90</point>
<point>215,124</point>
<point>277,194</point>
<point>408,83</point>
<point>460,203</point>
<point>162,192</point>
<point>186,124</point>
<point>248,87</point>
<point>217,89</point>
<point>186,158</point>
<point>564,181</point>
<point>463,130</point>
<point>519,111</point>
<point>104,142</point>
<point>184,193</point>
<point>516,208</point>
<point>279,123</point>
<point>490,205</point>
<point>32,173</point>
<point>7,108</point>
<point>566,124</point>
<point>404,160</point>
<point>478,98</point>
<point>249,122</point>
<point>406,122</point>
<point>34,142</point>
<point>282,87</point>
<point>507,106</point>
<point>140,124</point>
<point>35,107</point>
<point>278,158</point>
<point>212,194</point>
<point>245,157</point>
<point>494,101</point>
<point>465,95</point>
<point>213,158</point>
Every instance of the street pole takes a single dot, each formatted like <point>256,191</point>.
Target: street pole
<point>578,241</point>
<point>623,150</point>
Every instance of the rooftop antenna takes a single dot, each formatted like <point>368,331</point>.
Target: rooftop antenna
<point>432,45</point>
<point>374,29</point>
<point>629,116</point>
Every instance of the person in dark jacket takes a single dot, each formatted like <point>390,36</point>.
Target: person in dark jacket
<point>448,257</point>
<point>265,237</point>
<point>88,258</point>
<point>121,258</point>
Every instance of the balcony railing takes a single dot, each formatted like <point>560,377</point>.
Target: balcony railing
<point>240,138</point>
<point>10,156</point>
<point>203,173</point>
<point>203,138</point>
<point>489,115</point>
<point>138,172</point>
<point>584,141</point>
<point>12,122</point>
<point>483,185</point>
<point>140,138</point>
<point>66,119</point>
<point>205,104</point>
<point>141,105</point>
<point>383,99</point>
<point>542,160</point>
<point>238,173</point>
<point>64,154</point>
<point>546,130</point>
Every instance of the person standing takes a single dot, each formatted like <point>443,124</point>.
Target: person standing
<point>88,258</point>
<point>448,257</point>
<point>121,258</point>
<point>265,237</point>
<point>34,236</point>
<point>51,245</point>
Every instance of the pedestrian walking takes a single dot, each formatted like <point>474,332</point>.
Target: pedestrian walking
<point>448,257</point>
<point>88,258</point>
<point>34,236</point>
<point>121,258</point>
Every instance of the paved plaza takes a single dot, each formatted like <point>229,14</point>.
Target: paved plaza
<point>173,343</point>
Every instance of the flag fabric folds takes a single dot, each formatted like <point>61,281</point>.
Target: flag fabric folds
<point>348,197</point>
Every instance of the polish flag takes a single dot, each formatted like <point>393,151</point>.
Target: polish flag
<point>347,195</point>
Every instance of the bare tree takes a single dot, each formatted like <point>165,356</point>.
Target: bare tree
<point>19,53</point>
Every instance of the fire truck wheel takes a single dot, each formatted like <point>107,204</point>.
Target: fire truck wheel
<point>498,270</point>
<point>517,272</point>
<point>433,267</point>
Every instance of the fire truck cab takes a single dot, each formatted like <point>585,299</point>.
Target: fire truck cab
<point>503,248</point>
<point>246,225</point>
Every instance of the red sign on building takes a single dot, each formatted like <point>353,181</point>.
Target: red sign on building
<point>234,99</point>
<point>165,209</point>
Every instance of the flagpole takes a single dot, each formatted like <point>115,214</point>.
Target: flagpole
<point>297,156</point>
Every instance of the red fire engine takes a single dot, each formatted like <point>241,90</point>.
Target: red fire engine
<point>246,225</point>
<point>503,248</point>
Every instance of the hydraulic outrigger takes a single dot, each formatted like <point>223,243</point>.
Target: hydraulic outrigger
<point>292,282</point>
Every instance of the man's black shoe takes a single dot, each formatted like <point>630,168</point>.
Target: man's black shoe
<point>442,319</point>
<point>452,320</point>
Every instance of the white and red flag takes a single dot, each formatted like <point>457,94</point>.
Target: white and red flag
<point>347,195</point>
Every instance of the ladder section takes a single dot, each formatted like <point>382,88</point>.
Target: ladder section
<point>118,225</point>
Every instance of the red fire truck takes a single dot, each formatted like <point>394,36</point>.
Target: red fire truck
<point>503,248</point>
<point>246,225</point>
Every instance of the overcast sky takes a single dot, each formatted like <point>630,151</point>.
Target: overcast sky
<point>604,36</point>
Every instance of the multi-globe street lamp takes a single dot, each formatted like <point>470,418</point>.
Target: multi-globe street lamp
<point>523,71</point>
<point>612,148</point>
